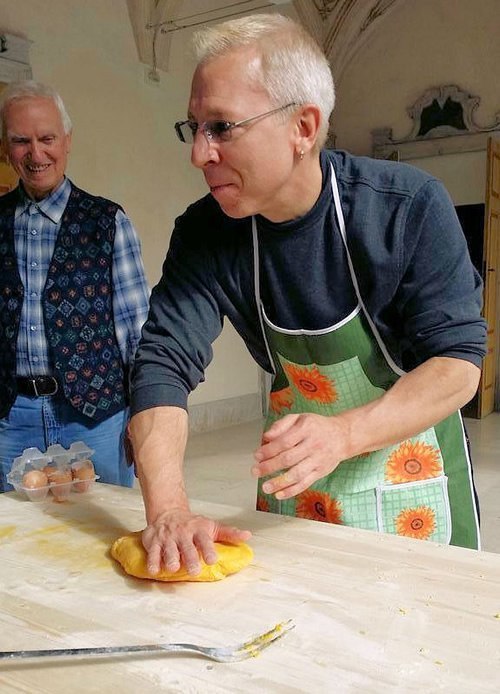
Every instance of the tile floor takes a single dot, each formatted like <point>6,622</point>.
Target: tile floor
<point>218,469</point>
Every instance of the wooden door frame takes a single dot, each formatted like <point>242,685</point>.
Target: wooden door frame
<point>494,151</point>
<point>488,386</point>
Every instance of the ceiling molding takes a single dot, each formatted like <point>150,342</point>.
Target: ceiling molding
<point>145,16</point>
<point>155,21</point>
<point>341,27</point>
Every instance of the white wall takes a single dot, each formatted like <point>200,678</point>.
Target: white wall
<point>420,45</point>
<point>124,145</point>
<point>464,174</point>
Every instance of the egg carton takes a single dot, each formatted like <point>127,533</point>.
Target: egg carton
<point>57,472</point>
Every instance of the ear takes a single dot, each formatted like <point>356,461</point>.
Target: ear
<point>68,141</point>
<point>308,120</point>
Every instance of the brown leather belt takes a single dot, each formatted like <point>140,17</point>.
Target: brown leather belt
<point>37,386</point>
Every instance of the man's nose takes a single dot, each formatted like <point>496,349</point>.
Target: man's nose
<point>203,151</point>
<point>35,150</point>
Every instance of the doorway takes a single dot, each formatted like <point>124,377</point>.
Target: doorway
<point>471,217</point>
<point>473,181</point>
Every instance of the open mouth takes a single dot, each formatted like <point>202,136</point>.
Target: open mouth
<point>37,168</point>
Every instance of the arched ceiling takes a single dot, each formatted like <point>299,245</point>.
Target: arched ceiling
<point>340,26</point>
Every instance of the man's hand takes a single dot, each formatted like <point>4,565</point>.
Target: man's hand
<point>304,448</point>
<point>178,537</point>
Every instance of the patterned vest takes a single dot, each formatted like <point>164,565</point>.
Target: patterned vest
<point>77,307</point>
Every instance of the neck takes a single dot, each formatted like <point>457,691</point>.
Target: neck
<point>303,190</point>
<point>37,195</point>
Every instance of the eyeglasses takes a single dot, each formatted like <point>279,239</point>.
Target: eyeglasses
<point>217,130</point>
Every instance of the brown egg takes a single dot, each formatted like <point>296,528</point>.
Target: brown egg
<point>35,485</point>
<point>85,474</point>
<point>34,479</point>
<point>60,483</point>
<point>49,471</point>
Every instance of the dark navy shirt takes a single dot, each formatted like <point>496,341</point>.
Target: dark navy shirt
<point>410,256</point>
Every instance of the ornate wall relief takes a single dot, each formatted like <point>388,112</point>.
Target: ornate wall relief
<point>443,123</point>
<point>14,58</point>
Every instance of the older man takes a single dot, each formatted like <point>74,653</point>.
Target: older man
<point>348,278</point>
<point>73,296</point>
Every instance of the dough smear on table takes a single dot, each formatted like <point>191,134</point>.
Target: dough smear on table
<point>129,551</point>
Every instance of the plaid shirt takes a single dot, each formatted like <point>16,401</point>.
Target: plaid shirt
<point>36,227</point>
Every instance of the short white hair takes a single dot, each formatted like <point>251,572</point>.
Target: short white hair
<point>294,69</point>
<point>29,89</point>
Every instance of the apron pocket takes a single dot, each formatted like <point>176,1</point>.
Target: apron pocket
<point>420,510</point>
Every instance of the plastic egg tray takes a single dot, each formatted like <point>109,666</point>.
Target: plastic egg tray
<point>57,463</point>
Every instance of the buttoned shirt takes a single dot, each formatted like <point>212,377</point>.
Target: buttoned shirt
<point>36,226</point>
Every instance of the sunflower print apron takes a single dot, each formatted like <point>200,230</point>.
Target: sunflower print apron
<point>419,488</point>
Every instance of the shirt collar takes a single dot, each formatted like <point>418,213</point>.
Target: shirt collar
<point>52,206</point>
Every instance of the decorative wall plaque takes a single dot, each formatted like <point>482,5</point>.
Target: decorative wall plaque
<point>14,58</point>
<point>443,123</point>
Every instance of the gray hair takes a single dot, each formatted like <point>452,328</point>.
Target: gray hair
<point>293,66</point>
<point>29,89</point>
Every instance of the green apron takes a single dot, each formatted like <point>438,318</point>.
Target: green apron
<point>420,488</point>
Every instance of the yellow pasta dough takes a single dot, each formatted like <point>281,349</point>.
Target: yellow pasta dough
<point>129,551</point>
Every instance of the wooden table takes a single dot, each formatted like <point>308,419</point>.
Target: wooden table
<point>373,613</point>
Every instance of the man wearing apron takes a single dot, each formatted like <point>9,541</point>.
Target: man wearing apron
<point>402,489</point>
<point>348,279</point>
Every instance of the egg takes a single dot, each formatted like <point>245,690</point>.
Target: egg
<point>34,479</point>
<point>85,474</point>
<point>35,484</point>
<point>49,470</point>
<point>60,483</point>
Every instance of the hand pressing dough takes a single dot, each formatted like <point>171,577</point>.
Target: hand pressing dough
<point>129,551</point>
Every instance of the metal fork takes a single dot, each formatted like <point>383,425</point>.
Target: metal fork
<point>222,654</point>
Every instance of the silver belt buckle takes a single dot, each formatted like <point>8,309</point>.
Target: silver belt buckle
<point>56,386</point>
